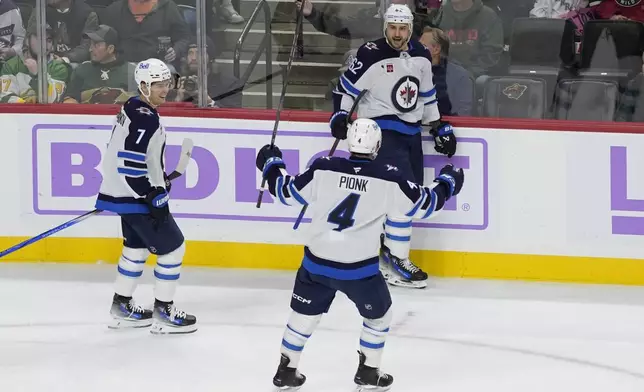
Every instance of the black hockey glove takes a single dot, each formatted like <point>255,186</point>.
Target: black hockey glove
<point>444,139</point>
<point>452,178</point>
<point>338,124</point>
<point>157,200</point>
<point>268,158</point>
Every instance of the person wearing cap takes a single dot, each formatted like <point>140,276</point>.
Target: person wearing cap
<point>19,75</point>
<point>224,89</point>
<point>107,77</point>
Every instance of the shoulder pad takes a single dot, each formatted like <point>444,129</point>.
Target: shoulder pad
<point>140,114</point>
<point>418,49</point>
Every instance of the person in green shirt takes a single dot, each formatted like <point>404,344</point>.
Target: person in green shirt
<point>107,78</point>
<point>19,75</point>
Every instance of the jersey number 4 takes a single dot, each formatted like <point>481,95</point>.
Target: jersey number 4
<point>342,214</point>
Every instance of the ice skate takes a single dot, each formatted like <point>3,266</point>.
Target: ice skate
<point>402,272</point>
<point>286,378</point>
<point>169,320</point>
<point>126,314</point>
<point>369,379</point>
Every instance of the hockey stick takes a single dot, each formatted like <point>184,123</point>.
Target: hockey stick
<point>294,45</point>
<point>184,159</point>
<point>335,145</point>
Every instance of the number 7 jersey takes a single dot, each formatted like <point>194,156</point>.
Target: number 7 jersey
<point>350,201</point>
<point>134,160</point>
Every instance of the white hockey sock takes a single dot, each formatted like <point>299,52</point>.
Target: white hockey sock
<point>398,237</point>
<point>299,329</point>
<point>130,269</point>
<point>372,339</point>
<point>167,272</point>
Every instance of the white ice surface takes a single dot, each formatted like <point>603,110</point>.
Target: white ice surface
<point>455,336</point>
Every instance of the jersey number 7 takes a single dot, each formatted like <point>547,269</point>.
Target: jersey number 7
<point>342,214</point>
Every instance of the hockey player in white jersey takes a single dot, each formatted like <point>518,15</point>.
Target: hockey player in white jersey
<point>350,200</point>
<point>135,186</point>
<point>397,73</point>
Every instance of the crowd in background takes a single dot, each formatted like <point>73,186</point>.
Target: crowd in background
<point>91,49</point>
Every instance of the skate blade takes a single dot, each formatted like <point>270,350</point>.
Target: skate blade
<point>165,329</point>
<point>394,281</point>
<point>371,388</point>
<point>287,389</point>
<point>118,323</point>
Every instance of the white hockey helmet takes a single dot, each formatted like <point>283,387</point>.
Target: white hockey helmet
<point>364,137</point>
<point>399,13</point>
<point>150,71</point>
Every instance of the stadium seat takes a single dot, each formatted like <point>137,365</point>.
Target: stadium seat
<point>611,49</point>
<point>541,45</point>
<point>515,97</point>
<point>592,100</point>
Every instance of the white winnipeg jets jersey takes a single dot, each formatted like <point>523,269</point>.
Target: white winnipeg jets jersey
<point>401,93</point>
<point>134,160</point>
<point>350,200</point>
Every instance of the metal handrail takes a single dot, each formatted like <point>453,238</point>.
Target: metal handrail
<point>264,46</point>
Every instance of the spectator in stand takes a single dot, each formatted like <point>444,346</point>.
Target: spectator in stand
<point>19,75</point>
<point>455,98</point>
<point>148,29</point>
<point>69,19</point>
<point>475,33</point>
<point>12,32</point>
<point>365,24</point>
<point>621,10</point>
<point>107,78</point>
<point>224,90</point>
<point>556,9</point>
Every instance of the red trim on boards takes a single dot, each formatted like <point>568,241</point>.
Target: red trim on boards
<point>187,110</point>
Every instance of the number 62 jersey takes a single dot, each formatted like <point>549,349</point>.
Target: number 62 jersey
<point>400,83</point>
<point>350,200</point>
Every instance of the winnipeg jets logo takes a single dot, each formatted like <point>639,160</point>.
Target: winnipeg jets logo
<point>405,94</point>
<point>390,168</point>
<point>357,169</point>
<point>412,185</point>
<point>144,110</point>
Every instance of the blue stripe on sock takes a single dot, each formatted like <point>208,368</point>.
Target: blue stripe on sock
<point>401,225</point>
<point>373,329</point>
<point>398,237</point>
<point>292,347</point>
<point>299,333</point>
<point>134,261</point>
<point>371,345</point>
<point>129,273</point>
<point>166,277</point>
<point>168,265</point>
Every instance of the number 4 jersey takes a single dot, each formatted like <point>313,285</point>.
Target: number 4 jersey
<point>350,201</point>
<point>134,160</point>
